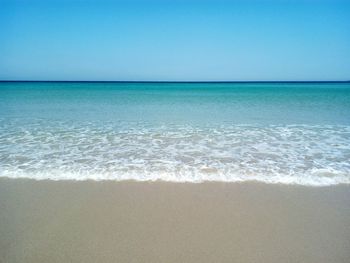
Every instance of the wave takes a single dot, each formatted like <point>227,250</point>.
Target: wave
<point>312,155</point>
<point>313,179</point>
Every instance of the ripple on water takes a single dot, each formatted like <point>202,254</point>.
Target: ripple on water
<point>289,154</point>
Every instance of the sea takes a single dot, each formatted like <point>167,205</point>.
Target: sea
<point>272,132</point>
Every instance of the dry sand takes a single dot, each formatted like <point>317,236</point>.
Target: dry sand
<point>46,221</point>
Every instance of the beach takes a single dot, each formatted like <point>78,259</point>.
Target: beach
<point>89,221</point>
<point>175,131</point>
<point>174,172</point>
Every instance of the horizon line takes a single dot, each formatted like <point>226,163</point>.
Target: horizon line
<point>186,81</point>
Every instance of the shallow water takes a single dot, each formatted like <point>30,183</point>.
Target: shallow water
<point>187,132</point>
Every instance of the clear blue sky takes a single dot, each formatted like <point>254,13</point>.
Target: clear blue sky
<point>174,40</point>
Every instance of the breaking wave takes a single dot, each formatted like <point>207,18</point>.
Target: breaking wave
<point>312,155</point>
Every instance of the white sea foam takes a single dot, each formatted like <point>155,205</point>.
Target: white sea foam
<point>290,154</point>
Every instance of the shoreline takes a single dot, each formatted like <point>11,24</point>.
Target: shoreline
<point>106,221</point>
<point>162,181</point>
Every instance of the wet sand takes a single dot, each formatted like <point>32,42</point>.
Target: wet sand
<point>66,221</point>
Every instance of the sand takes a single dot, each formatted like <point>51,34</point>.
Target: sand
<point>66,221</point>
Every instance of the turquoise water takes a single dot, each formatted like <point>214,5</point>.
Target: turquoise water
<point>188,132</point>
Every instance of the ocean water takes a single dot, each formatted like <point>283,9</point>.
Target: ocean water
<point>289,133</point>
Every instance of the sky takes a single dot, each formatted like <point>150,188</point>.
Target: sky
<point>175,40</point>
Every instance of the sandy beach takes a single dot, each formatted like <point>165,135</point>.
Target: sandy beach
<point>67,221</point>
<point>175,131</point>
